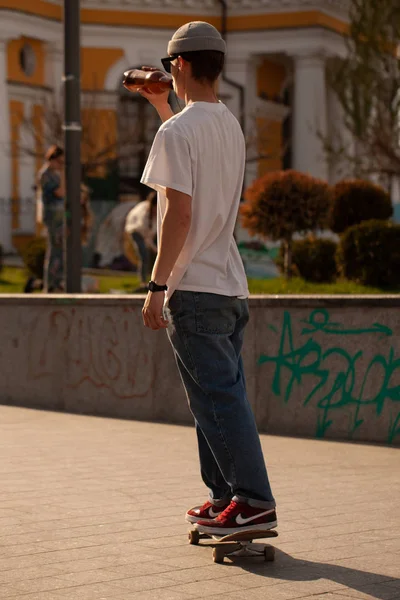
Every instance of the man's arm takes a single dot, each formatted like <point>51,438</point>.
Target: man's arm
<point>160,103</point>
<point>165,112</point>
<point>174,230</point>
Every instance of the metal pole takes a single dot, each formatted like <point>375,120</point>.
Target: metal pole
<point>72,129</point>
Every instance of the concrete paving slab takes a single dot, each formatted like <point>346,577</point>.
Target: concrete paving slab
<point>93,508</point>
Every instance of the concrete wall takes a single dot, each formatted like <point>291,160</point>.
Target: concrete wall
<point>326,367</point>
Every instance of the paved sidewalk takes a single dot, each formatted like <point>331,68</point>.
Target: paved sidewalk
<point>93,508</point>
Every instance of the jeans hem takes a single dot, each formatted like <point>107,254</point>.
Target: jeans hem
<point>255,503</point>
<point>219,501</point>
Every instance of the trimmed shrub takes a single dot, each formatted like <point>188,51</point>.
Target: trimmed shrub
<point>369,253</point>
<point>314,259</point>
<point>283,203</point>
<point>33,256</point>
<point>355,201</point>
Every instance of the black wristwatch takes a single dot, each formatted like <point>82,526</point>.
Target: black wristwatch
<point>153,287</point>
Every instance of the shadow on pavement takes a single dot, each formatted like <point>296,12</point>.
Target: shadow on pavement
<point>287,568</point>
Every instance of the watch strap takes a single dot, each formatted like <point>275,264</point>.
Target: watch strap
<point>153,287</point>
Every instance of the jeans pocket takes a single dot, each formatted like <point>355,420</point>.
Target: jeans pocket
<point>215,314</point>
<point>175,303</point>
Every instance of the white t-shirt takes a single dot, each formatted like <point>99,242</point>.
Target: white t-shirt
<point>201,152</point>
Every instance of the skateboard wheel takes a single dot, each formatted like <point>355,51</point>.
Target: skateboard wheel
<point>269,554</point>
<point>194,537</point>
<point>218,555</point>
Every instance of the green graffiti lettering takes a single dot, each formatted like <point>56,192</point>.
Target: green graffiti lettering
<point>319,321</point>
<point>394,429</point>
<point>334,388</point>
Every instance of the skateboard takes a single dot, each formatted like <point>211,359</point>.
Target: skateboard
<point>236,544</point>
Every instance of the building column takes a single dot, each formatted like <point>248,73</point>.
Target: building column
<point>235,70</point>
<point>27,166</point>
<point>5,159</point>
<point>55,70</point>
<point>310,115</point>
<point>251,112</point>
<point>244,72</point>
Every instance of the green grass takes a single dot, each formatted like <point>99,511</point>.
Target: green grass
<point>13,279</point>
<point>127,283</point>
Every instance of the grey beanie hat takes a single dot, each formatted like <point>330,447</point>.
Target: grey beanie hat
<point>196,36</point>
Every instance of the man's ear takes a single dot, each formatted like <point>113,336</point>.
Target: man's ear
<point>183,64</point>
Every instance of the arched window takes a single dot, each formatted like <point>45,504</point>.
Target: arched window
<point>27,60</point>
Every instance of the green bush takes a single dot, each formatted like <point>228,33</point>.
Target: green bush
<point>33,256</point>
<point>1,258</point>
<point>369,254</point>
<point>283,203</point>
<point>313,260</point>
<point>355,201</point>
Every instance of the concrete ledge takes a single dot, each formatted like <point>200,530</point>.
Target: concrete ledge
<point>326,366</point>
<point>334,300</point>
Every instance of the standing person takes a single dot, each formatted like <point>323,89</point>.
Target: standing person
<point>51,182</point>
<point>197,166</point>
<point>87,215</point>
<point>141,226</point>
<point>34,283</point>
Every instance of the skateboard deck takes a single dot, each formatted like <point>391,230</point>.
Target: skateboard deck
<point>236,544</point>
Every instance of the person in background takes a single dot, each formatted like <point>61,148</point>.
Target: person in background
<point>51,181</point>
<point>141,226</point>
<point>86,215</point>
<point>50,221</point>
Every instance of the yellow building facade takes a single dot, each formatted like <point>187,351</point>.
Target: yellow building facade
<point>275,82</point>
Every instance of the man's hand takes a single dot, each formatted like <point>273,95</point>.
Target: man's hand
<point>153,311</point>
<point>159,101</point>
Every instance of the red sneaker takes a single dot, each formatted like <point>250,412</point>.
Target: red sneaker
<point>239,516</point>
<point>206,512</point>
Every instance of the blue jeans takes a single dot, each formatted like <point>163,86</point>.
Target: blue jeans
<point>206,333</point>
<point>143,252</point>
<point>53,269</point>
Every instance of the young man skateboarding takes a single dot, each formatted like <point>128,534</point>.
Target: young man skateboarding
<point>197,165</point>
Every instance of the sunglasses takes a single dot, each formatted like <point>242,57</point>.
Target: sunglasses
<point>166,62</point>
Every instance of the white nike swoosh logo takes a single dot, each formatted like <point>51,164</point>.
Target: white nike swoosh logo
<point>212,513</point>
<point>241,521</point>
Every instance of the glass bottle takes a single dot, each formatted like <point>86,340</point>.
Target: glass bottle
<point>156,81</point>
